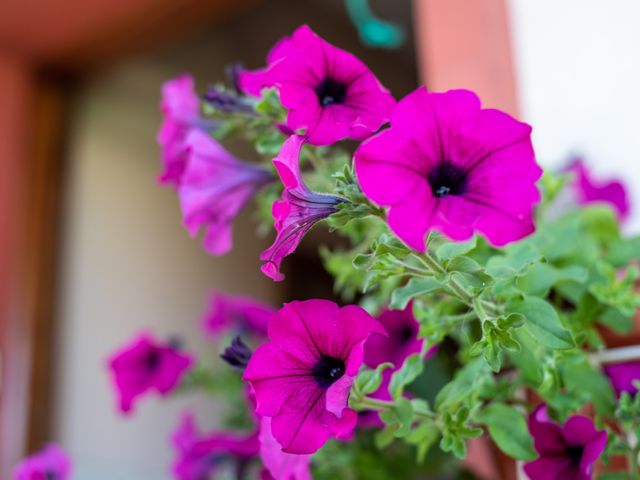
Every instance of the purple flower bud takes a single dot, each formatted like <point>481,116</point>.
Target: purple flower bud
<point>237,354</point>
<point>229,101</point>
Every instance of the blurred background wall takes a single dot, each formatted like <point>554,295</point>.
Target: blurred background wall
<point>128,265</point>
<point>578,74</point>
<point>126,261</point>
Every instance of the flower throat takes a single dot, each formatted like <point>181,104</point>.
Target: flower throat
<point>447,179</point>
<point>330,92</point>
<point>327,371</point>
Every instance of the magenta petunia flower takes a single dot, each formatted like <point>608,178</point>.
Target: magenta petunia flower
<point>281,465</point>
<point>589,190</point>
<point>180,108</point>
<point>446,164</point>
<point>214,188</point>
<point>328,92</point>
<point>50,463</point>
<point>401,340</point>
<point>200,455</point>
<point>298,210</point>
<point>302,377</point>
<point>236,313</point>
<point>566,453</point>
<point>623,375</point>
<point>144,365</point>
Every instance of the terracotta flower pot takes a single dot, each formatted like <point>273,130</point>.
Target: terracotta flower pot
<point>614,339</point>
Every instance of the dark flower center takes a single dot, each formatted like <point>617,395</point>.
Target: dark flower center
<point>575,454</point>
<point>447,179</point>
<point>327,371</point>
<point>50,475</point>
<point>407,333</point>
<point>152,359</point>
<point>331,91</point>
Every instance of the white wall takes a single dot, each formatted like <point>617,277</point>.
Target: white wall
<point>128,264</point>
<point>578,66</point>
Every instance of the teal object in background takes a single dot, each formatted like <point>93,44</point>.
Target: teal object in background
<point>373,31</point>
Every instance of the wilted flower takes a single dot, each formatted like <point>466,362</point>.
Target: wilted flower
<point>447,164</point>
<point>180,108</point>
<point>566,453</point>
<point>302,377</point>
<point>623,376</point>
<point>298,210</point>
<point>589,190</point>
<point>200,455</point>
<point>280,465</point>
<point>328,92</point>
<point>214,188</point>
<point>236,313</point>
<point>145,365</point>
<point>50,463</point>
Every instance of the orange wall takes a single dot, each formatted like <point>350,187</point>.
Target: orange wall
<point>16,90</point>
<point>467,44</point>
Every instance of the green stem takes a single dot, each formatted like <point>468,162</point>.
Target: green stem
<point>368,403</point>
<point>412,268</point>
<point>459,318</point>
<point>430,262</point>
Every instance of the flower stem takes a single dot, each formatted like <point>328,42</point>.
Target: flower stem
<point>412,268</point>
<point>369,403</point>
<point>459,291</point>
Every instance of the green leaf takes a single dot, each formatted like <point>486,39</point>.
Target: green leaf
<point>465,381</point>
<point>618,293</point>
<point>543,322</point>
<point>600,221</point>
<point>515,262</point>
<point>542,276</point>
<point>383,438</point>
<point>401,297</point>
<point>623,251</point>
<point>368,381</point>
<point>269,105</point>
<point>423,437</point>
<point>363,261</point>
<point>463,264</point>
<point>493,355</point>
<point>404,413</point>
<point>412,367</point>
<point>508,428</point>
<point>615,320</point>
<point>269,145</point>
<point>400,415</point>
<point>392,246</point>
<point>588,384</point>
<point>453,249</point>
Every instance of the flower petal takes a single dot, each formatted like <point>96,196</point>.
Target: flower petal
<point>283,466</point>
<point>337,398</point>
<point>547,435</point>
<point>551,468</point>
<point>412,219</point>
